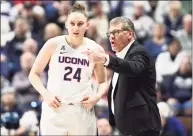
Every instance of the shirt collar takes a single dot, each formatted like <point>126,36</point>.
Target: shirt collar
<point>123,52</point>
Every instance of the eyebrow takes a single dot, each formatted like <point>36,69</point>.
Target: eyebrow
<point>78,21</point>
<point>114,30</point>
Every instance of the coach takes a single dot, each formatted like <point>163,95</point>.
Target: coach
<point>131,97</point>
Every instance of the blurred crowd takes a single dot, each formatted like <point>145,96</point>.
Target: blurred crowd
<point>163,27</point>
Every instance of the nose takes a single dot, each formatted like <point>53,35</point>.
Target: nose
<point>76,27</point>
<point>112,37</point>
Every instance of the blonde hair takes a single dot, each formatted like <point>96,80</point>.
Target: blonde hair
<point>79,8</point>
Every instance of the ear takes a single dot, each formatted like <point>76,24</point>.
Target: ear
<point>130,34</point>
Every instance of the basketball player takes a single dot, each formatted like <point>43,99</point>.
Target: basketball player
<point>68,103</point>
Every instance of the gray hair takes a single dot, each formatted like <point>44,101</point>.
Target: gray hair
<point>127,23</point>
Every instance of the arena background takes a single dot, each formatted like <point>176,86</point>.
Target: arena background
<point>27,25</point>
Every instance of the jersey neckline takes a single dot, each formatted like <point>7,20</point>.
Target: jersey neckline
<point>75,49</point>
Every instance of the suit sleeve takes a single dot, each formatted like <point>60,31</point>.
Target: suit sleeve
<point>131,66</point>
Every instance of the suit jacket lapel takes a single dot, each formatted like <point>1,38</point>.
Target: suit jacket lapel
<point>132,45</point>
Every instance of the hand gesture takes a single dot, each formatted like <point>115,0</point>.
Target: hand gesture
<point>95,56</point>
<point>88,102</point>
<point>51,100</point>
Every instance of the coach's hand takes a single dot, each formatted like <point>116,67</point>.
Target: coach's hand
<point>88,102</point>
<point>95,56</point>
<point>51,100</point>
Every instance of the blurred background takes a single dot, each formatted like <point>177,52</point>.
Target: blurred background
<point>163,27</point>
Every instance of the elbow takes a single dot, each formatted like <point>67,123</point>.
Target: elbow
<point>100,82</point>
<point>31,76</point>
<point>133,72</point>
<point>137,70</point>
<point>103,83</point>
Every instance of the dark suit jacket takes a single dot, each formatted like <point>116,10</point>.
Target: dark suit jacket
<point>134,97</point>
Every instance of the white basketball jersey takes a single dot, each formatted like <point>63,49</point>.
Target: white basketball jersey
<point>70,72</point>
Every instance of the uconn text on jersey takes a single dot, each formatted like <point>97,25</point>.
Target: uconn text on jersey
<point>73,60</point>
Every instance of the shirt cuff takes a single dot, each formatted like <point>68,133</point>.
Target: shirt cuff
<point>107,60</point>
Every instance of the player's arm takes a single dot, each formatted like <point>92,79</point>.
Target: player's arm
<point>39,65</point>
<point>100,73</point>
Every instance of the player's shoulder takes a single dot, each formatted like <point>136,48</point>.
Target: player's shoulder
<point>89,41</point>
<point>53,42</point>
<point>57,39</point>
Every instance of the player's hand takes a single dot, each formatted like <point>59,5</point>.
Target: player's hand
<point>88,102</point>
<point>51,100</point>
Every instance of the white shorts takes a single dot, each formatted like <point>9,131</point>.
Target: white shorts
<point>67,120</point>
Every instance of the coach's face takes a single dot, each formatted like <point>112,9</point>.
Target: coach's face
<point>119,38</point>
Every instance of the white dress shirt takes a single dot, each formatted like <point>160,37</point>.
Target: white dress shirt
<point>121,55</point>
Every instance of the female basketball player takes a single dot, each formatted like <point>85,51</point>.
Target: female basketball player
<point>69,99</point>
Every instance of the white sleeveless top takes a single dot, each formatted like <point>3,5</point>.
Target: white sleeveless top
<point>70,72</point>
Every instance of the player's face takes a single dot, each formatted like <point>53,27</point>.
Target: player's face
<point>76,24</point>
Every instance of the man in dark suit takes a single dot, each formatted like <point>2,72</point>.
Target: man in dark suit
<point>131,97</point>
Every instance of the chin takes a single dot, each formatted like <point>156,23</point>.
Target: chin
<point>113,49</point>
<point>77,36</point>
